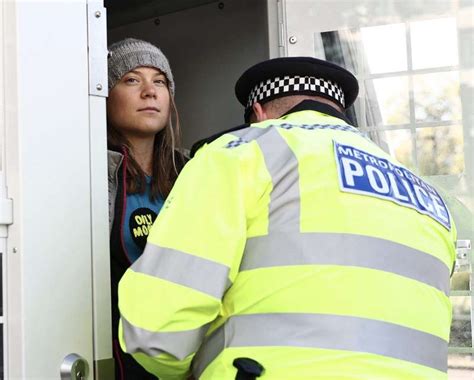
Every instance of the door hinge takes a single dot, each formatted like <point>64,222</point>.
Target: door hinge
<point>6,216</point>
<point>97,48</point>
<point>463,255</point>
<point>281,27</point>
<point>6,212</point>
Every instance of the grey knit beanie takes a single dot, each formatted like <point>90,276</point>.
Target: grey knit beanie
<point>130,53</point>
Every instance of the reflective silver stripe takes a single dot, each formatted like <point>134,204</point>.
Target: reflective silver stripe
<point>180,344</point>
<point>281,249</point>
<point>284,208</point>
<point>250,133</point>
<point>311,127</point>
<point>325,331</point>
<point>282,164</point>
<point>184,269</point>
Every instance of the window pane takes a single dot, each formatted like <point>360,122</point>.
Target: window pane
<point>387,101</point>
<point>340,47</point>
<point>385,48</point>
<point>437,97</point>
<point>440,150</point>
<point>398,143</point>
<point>461,327</point>
<point>434,43</point>
<point>460,366</point>
<point>460,280</point>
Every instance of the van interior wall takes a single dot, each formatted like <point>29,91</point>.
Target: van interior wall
<point>208,47</point>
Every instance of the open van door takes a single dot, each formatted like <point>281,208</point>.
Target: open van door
<point>56,308</point>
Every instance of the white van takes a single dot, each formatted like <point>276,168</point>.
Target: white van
<point>414,61</point>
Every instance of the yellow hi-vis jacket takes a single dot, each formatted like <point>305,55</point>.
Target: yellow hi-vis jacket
<point>296,242</point>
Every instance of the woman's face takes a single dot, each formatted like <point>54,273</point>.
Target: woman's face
<point>139,104</point>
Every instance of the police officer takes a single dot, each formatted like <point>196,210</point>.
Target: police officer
<point>293,248</point>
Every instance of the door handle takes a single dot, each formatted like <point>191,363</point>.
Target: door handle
<point>74,367</point>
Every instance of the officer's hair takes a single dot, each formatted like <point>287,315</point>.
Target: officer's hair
<point>286,103</point>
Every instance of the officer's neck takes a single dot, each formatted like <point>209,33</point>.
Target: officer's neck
<point>315,105</point>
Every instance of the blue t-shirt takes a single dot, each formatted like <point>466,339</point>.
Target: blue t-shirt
<point>139,216</point>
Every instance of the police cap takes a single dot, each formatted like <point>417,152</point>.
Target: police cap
<point>286,76</point>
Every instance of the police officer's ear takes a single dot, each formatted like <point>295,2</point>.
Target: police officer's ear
<point>259,114</point>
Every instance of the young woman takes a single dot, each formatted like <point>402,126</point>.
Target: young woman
<point>144,160</point>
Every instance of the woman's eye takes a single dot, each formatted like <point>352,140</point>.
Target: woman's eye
<point>160,82</point>
<point>131,80</point>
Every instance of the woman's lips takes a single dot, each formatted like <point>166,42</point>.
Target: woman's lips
<point>149,109</point>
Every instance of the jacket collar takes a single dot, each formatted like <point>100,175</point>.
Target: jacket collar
<point>305,105</point>
<point>209,139</point>
<point>114,160</point>
<point>313,105</point>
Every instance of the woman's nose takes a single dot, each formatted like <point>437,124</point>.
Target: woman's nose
<point>149,90</point>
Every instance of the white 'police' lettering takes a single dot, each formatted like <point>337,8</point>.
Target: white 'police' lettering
<point>363,173</point>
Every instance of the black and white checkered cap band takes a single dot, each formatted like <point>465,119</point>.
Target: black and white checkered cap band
<point>293,84</point>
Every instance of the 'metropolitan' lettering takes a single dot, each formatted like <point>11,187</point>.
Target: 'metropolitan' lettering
<point>363,173</point>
